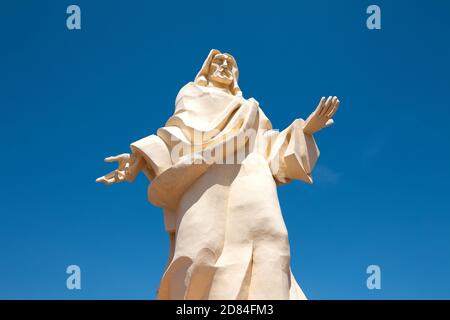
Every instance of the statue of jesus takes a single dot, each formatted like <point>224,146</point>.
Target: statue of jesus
<point>214,169</point>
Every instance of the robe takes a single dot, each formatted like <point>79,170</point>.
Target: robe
<point>228,239</point>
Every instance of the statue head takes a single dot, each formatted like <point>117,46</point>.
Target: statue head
<point>220,70</point>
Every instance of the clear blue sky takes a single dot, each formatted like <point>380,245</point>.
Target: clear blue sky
<point>70,98</point>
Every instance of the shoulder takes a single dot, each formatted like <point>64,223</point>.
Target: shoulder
<point>190,89</point>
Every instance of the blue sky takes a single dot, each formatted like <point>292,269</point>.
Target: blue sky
<point>70,98</point>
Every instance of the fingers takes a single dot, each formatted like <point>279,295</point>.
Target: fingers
<point>119,176</point>
<point>321,106</point>
<point>120,157</point>
<point>329,122</point>
<point>334,109</point>
<point>328,104</point>
<point>325,107</point>
<point>112,177</point>
<point>105,180</point>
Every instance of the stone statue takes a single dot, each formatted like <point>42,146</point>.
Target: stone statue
<point>213,169</point>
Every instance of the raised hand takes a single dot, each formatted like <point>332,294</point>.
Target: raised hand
<point>321,117</point>
<point>128,167</point>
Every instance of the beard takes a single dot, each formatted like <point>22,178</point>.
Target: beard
<point>225,78</point>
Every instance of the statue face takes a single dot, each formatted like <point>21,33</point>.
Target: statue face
<point>221,68</point>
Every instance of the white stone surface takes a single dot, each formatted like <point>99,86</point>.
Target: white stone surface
<point>228,239</point>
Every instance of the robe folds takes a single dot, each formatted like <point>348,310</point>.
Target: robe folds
<point>214,168</point>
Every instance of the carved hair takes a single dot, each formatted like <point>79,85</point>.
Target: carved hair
<point>202,77</point>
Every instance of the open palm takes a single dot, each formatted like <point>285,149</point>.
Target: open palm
<point>321,117</point>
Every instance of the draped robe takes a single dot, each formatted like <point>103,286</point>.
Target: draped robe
<point>228,239</point>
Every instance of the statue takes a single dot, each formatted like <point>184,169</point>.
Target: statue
<point>213,169</point>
